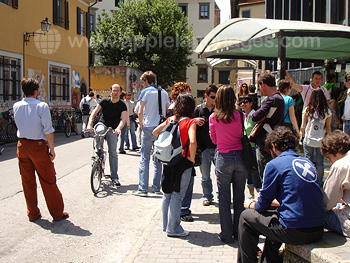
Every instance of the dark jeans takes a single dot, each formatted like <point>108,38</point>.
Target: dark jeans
<point>252,224</point>
<point>262,157</point>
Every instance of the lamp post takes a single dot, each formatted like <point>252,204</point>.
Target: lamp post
<point>45,27</point>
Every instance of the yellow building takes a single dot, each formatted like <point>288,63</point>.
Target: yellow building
<point>58,60</point>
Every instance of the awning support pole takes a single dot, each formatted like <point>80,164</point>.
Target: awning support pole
<point>282,63</point>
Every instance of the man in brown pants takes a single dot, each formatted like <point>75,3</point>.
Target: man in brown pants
<point>33,120</point>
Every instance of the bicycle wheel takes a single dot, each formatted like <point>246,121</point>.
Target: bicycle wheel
<point>68,129</point>
<point>96,176</point>
<point>11,132</point>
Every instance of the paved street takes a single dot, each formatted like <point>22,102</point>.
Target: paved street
<point>114,226</point>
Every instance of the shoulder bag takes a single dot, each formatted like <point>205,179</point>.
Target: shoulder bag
<point>248,153</point>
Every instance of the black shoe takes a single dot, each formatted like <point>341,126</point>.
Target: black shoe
<point>126,148</point>
<point>226,241</point>
<point>135,148</point>
<point>116,182</point>
<point>122,152</point>
<point>187,218</point>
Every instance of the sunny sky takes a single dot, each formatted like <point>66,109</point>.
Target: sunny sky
<point>225,8</point>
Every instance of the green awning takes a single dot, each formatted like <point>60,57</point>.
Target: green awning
<point>249,38</point>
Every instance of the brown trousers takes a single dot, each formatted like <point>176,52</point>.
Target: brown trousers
<point>33,156</point>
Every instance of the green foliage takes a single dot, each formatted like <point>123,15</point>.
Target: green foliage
<point>149,35</point>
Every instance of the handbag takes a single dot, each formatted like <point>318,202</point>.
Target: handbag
<point>248,153</point>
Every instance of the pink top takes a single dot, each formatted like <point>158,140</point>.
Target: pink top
<point>227,136</point>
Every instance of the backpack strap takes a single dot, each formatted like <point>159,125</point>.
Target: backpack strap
<point>160,102</point>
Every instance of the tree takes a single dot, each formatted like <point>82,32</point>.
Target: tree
<point>148,35</point>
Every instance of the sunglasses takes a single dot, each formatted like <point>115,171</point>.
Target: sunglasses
<point>129,95</point>
<point>245,101</point>
<point>212,97</point>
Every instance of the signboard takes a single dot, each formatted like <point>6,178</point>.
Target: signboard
<point>239,82</point>
<point>134,85</point>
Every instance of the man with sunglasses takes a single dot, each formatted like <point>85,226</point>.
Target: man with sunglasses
<point>206,145</point>
<point>272,112</point>
<point>346,115</point>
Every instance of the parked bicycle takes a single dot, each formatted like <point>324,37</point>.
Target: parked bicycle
<point>8,128</point>
<point>70,122</point>
<point>98,165</point>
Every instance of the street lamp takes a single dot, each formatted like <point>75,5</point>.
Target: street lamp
<point>45,27</point>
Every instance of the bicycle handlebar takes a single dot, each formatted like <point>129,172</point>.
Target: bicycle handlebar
<point>102,135</point>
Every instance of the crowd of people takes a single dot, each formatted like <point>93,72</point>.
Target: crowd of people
<point>289,201</point>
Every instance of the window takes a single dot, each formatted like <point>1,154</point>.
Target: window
<point>59,84</point>
<point>183,8</point>
<point>80,22</point>
<point>15,4</point>
<point>10,77</point>
<point>246,13</point>
<point>6,2</point>
<point>224,77</point>
<point>204,11</point>
<point>61,13</point>
<point>202,73</point>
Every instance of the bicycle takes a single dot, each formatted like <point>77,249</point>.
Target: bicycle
<point>70,122</point>
<point>98,165</point>
<point>8,127</point>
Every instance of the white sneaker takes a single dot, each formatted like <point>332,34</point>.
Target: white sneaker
<point>183,234</point>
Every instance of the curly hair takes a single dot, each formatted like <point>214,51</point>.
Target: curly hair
<point>184,106</point>
<point>317,104</point>
<point>225,104</point>
<point>335,142</point>
<point>243,92</point>
<point>282,138</point>
<point>178,88</point>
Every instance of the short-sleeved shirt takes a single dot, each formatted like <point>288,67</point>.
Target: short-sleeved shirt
<point>151,116</point>
<point>184,126</point>
<point>306,93</point>
<point>289,102</point>
<point>112,112</point>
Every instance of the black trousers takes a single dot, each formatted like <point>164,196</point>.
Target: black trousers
<point>252,224</point>
<point>262,157</point>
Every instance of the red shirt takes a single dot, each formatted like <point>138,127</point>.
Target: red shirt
<point>184,127</point>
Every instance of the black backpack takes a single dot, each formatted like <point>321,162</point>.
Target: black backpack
<point>86,107</point>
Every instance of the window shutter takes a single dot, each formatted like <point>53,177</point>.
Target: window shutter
<point>78,21</point>
<point>55,15</point>
<point>15,4</point>
<point>66,15</point>
<point>88,31</point>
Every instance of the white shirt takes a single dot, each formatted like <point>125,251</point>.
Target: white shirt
<point>347,106</point>
<point>151,116</point>
<point>92,103</point>
<point>33,119</point>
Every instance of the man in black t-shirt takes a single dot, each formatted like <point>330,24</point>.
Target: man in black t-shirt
<point>114,113</point>
<point>273,111</point>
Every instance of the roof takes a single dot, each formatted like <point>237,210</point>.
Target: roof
<point>253,38</point>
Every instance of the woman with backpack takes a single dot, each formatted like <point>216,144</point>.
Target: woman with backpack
<point>316,121</point>
<point>176,178</point>
<point>225,128</point>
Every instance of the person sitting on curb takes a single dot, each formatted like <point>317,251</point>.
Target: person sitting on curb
<point>293,181</point>
<point>336,188</point>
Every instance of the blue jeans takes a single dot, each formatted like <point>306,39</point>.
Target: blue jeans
<point>207,185</point>
<point>186,202</point>
<point>331,222</point>
<point>230,169</point>
<point>171,206</point>
<point>147,140</point>
<point>112,141</point>
<point>132,134</point>
<point>314,155</point>
<point>122,137</point>
<point>347,126</point>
